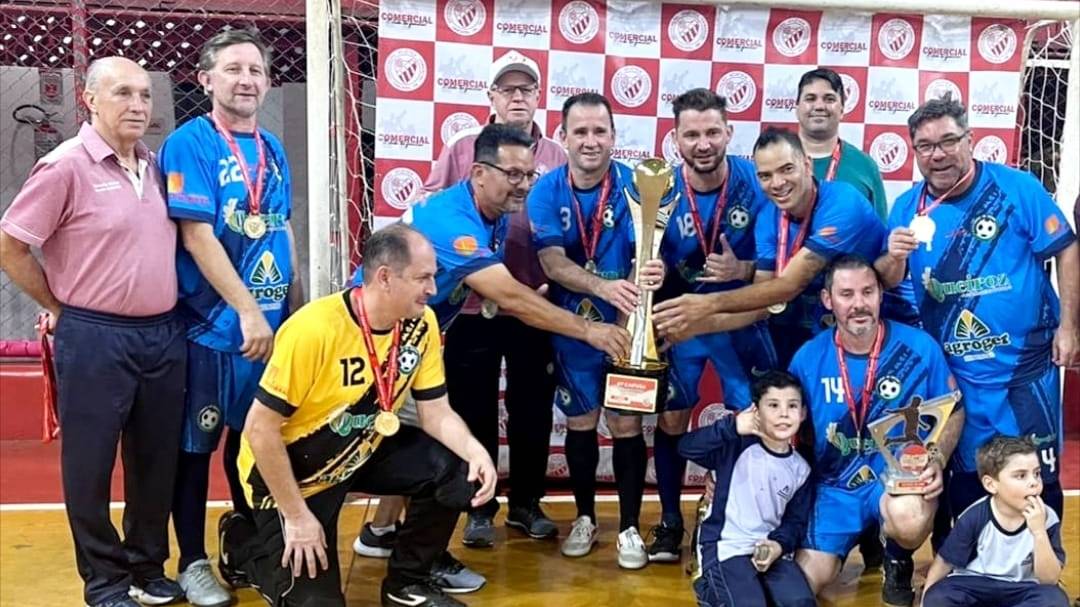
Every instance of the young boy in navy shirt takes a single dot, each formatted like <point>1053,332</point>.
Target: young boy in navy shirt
<point>1005,549</point>
<point>759,510</point>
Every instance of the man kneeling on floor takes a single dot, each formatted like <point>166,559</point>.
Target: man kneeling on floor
<point>325,423</point>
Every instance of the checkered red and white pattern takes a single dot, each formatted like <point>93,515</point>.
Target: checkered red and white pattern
<point>435,57</point>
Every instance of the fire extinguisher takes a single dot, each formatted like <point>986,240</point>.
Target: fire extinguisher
<point>46,137</point>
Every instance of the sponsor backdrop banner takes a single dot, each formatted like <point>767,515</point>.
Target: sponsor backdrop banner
<point>435,56</point>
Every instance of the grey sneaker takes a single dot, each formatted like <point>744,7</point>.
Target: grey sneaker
<point>453,577</point>
<point>479,531</point>
<point>200,586</point>
<point>631,549</point>
<point>582,538</point>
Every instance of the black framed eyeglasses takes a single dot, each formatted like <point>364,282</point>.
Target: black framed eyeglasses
<point>948,145</point>
<point>513,176</point>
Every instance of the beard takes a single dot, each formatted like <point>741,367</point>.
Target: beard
<point>719,162</point>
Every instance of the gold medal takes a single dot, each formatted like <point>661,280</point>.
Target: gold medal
<point>777,308</point>
<point>254,227</point>
<point>489,309</point>
<point>590,267</point>
<point>387,423</point>
<point>923,227</point>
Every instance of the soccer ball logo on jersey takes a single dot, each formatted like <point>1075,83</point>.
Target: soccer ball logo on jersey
<point>973,339</point>
<point>562,396</point>
<point>688,30</point>
<point>399,186</point>
<point>406,70</point>
<point>889,387</point>
<point>738,217</point>
<point>208,419</point>
<point>465,17</point>
<point>792,36</point>
<point>739,90</point>
<point>896,39</point>
<point>631,85</point>
<point>266,280</point>
<point>984,227</point>
<point>997,43</point>
<point>408,359</point>
<point>578,22</point>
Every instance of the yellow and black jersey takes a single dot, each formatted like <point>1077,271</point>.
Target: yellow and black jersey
<point>319,378</point>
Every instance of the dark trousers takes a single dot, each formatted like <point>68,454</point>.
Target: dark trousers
<point>736,583</point>
<point>409,463</point>
<point>119,380</point>
<point>979,591</point>
<point>475,347</point>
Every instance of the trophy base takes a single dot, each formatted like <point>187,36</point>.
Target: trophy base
<point>630,389</point>
<point>902,483</point>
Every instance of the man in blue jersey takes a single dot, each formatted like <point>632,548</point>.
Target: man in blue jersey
<point>581,221</point>
<point>974,236</point>
<point>863,369</point>
<point>709,245</point>
<point>229,188</point>
<point>809,224</point>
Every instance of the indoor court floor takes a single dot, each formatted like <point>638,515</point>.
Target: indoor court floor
<point>37,568</point>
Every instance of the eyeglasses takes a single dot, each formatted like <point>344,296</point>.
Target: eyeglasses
<point>948,145</point>
<point>513,176</point>
<point>526,90</point>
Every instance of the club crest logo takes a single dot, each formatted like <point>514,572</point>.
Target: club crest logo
<point>399,186</point>
<point>406,70</point>
<point>266,272</point>
<point>579,22</point>
<point>997,43</point>
<point>631,86</point>
<point>739,89</point>
<point>688,30</point>
<point>896,39</point>
<point>889,151</point>
<point>670,148</point>
<point>465,17</point>
<point>940,87</point>
<point>455,123</point>
<point>792,37</point>
<point>991,149</point>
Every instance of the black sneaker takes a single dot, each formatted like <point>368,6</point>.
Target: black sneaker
<point>896,590</point>
<point>666,546</point>
<point>416,595</point>
<point>374,546</point>
<point>227,540</point>
<point>532,521</point>
<point>158,591</point>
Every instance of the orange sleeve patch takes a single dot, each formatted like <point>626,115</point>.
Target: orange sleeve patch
<point>465,245</point>
<point>175,183</point>
<point>827,232</point>
<point>1052,225</point>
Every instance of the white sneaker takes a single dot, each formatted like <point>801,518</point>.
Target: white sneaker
<point>582,538</point>
<point>631,549</point>
<point>201,587</point>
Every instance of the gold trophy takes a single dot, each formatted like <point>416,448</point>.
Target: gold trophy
<point>907,452</point>
<point>638,384</point>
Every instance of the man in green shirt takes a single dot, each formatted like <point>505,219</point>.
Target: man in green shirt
<point>820,107</point>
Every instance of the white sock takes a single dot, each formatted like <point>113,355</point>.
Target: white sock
<point>381,531</point>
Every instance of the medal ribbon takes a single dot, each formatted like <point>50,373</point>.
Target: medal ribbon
<point>254,191</point>
<point>695,215</point>
<point>782,256</point>
<point>859,417</point>
<point>834,164</point>
<point>591,240</point>
<point>924,209</point>
<point>384,382</point>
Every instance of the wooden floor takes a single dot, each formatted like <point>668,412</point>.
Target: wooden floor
<point>37,566</point>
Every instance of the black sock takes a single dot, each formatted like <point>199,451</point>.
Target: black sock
<point>232,473</point>
<point>582,457</point>
<point>897,552</point>
<point>670,470</point>
<point>629,459</point>
<point>189,506</point>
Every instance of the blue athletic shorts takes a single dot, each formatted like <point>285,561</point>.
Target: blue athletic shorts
<point>220,389</point>
<point>1031,410</point>
<point>737,357</point>
<point>841,515</point>
<point>579,374</point>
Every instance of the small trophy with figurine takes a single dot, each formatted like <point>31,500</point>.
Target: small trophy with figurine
<point>907,437</point>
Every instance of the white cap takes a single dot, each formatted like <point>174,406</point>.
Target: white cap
<point>514,61</point>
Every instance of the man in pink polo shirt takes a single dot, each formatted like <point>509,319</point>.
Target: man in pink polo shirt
<point>95,208</point>
<point>480,337</point>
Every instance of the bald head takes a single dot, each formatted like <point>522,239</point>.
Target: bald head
<point>118,97</point>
